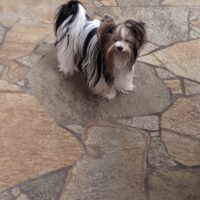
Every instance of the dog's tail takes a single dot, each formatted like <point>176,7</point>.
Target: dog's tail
<point>70,17</point>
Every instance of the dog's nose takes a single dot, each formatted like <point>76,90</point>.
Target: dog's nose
<point>120,48</point>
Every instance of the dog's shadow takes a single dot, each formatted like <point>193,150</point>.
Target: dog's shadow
<point>70,101</point>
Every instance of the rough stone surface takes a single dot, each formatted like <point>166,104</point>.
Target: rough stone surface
<point>165,25</point>
<point>5,196</point>
<point>29,60</point>
<point>69,103</point>
<point>114,167</point>
<point>143,122</point>
<point>164,74</point>
<point>181,2</point>
<point>158,156</point>
<point>191,87</point>
<point>22,197</point>
<point>5,86</point>
<point>29,9</point>
<point>78,129</point>
<point>194,35</point>
<point>14,72</point>
<point>46,187</point>
<point>150,59</point>
<point>180,130</point>
<point>148,48</point>
<point>134,3</point>
<point>176,184</point>
<point>175,58</point>
<point>22,39</point>
<point>174,86</point>
<point>15,191</point>
<point>31,142</point>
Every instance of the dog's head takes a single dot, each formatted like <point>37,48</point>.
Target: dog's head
<point>123,40</point>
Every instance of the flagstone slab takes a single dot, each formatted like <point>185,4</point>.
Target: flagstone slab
<point>174,86</point>
<point>71,104</point>
<point>164,74</point>
<point>144,122</point>
<point>114,167</point>
<point>181,2</point>
<point>180,130</point>
<point>22,38</point>
<point>165,25</point>
<point>158,155</point>
<point>36,10</point>
<point>182,59</point>
<point>176,184</point>
<point>191,87</point>
<point>14,72</point>
<point>31,142</point>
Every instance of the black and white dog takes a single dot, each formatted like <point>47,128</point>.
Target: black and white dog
<point>103,50</point>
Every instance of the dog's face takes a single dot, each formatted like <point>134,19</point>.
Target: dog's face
<point>124,40</point>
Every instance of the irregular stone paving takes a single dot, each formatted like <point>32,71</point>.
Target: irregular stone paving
<point>59,141</point>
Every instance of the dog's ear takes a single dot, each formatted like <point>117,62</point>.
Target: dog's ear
<point>106,26</point>
<point>138,29</point>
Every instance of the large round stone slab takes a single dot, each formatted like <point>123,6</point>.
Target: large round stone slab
<point>70,101</point>
<point>114,167</point>
<point>31,142</point>
<point>181,125</point>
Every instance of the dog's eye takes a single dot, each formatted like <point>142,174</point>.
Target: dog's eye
<point>116,39</point>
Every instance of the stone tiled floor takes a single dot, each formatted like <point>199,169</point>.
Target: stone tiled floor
<point>58,141</point>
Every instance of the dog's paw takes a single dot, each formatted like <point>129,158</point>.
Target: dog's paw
<point>128,89</point>
<point>111,94</point>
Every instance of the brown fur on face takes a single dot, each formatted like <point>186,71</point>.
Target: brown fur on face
<point>129,35</point>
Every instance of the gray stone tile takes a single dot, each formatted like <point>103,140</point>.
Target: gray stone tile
<point>71,104</point>
<point>6,196</point>
<point>165,25</point>
<point>114,167</point>
<point>47,187</point>
<point>158,156</point>
<point>191,87</point>
<point>143,122</point>
<point>136,3</point>
<point>176,184</point>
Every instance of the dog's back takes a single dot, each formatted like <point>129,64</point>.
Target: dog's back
<point>69,24</point>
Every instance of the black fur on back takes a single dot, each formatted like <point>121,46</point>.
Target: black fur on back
<point>64,11</point>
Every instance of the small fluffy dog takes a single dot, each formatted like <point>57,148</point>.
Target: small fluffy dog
<point>103,50</point>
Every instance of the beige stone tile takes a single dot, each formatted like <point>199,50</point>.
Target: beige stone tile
<point>14,72</point>
<point>150,59</point>
<point>109,2</point>
<point>31,142</point>
<point>5,86</point>
<point>148,48</point>
<point>114,167</point>
<point>22,39</point>
<point>181,2</point>
<point>174,86</point>
<point>164,74</point>
<point>191,87</point>
<point>182,59</point>
<point>180,130</point>
<point>35,9</point>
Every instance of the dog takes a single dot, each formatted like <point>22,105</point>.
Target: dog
<point>103,50</point>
